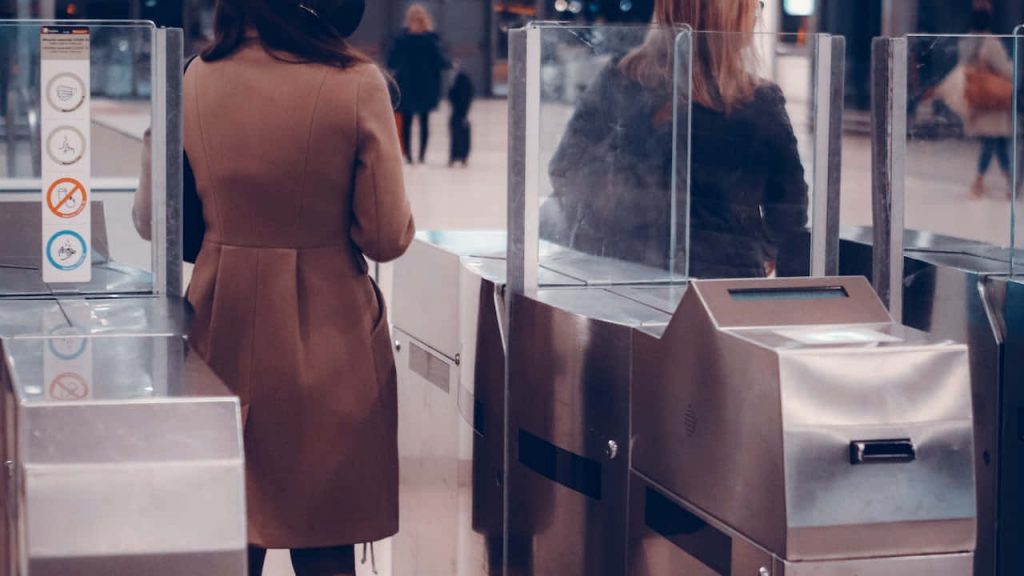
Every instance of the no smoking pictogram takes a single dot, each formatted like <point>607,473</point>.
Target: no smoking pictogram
<point>66,198</point>
<point>69,387</point>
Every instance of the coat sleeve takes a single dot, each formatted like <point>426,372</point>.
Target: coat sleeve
<point>786,198</point>
<point>382,224</point>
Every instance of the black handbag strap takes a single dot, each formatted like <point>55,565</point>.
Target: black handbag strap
<point>193,224</point>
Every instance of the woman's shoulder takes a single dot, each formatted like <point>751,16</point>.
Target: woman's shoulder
<point>767,105</point>
<point>363,80</point>
<point>361,71</point>
<point>768,95</point>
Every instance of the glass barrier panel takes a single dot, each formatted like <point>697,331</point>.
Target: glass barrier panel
<point>648,171</point>
<point>759,141</point>
<point>960,127</point>
<point>53,137</point>
<point>604,152</point>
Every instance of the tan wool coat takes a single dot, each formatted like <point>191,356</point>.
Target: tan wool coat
<point>299,171</point>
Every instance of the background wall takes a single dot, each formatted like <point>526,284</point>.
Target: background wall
<point>474,30</point>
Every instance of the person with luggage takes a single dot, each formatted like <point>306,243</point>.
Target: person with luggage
<point>988,91</point>
<point>460,96</point>
<point>417,59</point>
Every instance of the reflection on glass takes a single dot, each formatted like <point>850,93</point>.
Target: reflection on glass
<point>610,163</point>
<point>617,161</point>
<point>960,128</point>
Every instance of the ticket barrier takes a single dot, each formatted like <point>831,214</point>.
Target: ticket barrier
<point>122,451</point>
<point>125,460</point>
<point>792,427</point>
<point>569,433</point>
<point>451,364</point>
<point>948,286</point>
<point>448,310</point>
<point>959,289</point>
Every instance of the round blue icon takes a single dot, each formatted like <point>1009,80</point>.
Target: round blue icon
<point>66,343</point>
<point>66,250</point>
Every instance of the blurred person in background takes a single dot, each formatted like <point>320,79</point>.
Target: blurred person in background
<point>460,97</point>
<point>417,60</point>
<point>612,174</point>
<point>988,77</point>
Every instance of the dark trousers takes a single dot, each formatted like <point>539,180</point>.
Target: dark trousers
<point>998,147</point>
<point>335,561</point>
<point>407,118</point>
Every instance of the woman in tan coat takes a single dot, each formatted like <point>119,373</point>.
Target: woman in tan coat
<point>291,137</point>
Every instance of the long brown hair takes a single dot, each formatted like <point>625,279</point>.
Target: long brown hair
<point>289,30</point>
<point>723,58</point>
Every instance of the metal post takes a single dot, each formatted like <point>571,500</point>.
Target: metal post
<point>837,98</point>
<point>682,137</point>
<point>523,142</point>
<point>1017,178</point>
<point>828,105</point>
<point>889,147</point>
<point>12,114</point>
<point>167,161</point>
<point>517,250</point>
<point>898,17</point>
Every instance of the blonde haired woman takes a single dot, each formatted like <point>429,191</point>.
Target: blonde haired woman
<point>612,174</point>
<point>417,60</point>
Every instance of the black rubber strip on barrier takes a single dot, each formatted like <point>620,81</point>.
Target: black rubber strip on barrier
<point>571,470</point>
<point>710,546</point>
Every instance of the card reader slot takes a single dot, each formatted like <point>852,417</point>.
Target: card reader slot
<point>882,451</point>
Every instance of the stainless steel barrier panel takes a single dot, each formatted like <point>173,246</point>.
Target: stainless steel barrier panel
<point>122,451</point>
<point>944,171</point>
<point>133,467</point>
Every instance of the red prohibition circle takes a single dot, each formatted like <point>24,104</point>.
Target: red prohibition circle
<point>60,390</point>
<point>76,188</point>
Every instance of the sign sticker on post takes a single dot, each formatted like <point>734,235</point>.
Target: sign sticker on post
<point>66,145</point>
<point>66,198</point>
<point>66,92</point>
<point>66,250</point>
<point>65,125</point>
